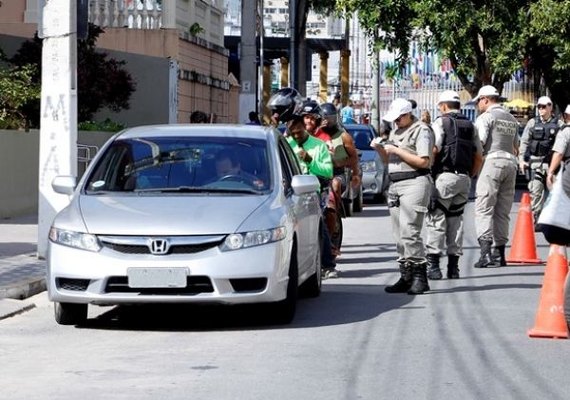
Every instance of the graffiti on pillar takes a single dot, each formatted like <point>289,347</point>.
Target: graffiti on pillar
<point>54,112</point>
<point>50,166</point>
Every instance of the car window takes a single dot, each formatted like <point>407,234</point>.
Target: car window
<point>175,163</point>
<point>361,136</point>
<point>291,157</point>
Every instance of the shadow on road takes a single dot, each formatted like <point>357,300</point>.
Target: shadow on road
<point>338,304</point>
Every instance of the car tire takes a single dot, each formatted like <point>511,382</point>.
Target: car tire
<point>347,206</point>
<point>379,198</point>
<point>312,287</point>
<point>283,311</point>
<point>357,202</point>
<point>70,313</point>
<point>567,301</point>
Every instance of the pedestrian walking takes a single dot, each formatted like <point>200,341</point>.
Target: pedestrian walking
<point>535,149</point>
<point>458,155</point>
<point>409,154</point>
<point>347,113</point>
<point>498,131</point>
<point>253,119</point>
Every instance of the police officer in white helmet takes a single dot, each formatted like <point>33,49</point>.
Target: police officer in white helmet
<point>458,156</point>
<point>498,131</point>
<point>536,144</point>
<point>409,154</point>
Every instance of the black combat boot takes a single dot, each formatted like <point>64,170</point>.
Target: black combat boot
<point>498,256</point>
<point>452,267</point>
<point>434,272</point>
<point>405,281</point>
<point>485,260</point>
<point>420,282</point>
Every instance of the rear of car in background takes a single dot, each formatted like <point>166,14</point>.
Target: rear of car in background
<point>374,172</point>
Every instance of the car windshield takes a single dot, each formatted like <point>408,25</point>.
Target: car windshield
<point>361,136</point>
<point>182,164</point>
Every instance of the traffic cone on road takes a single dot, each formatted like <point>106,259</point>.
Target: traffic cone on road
<point>523,249</point>
<point>550,320</point>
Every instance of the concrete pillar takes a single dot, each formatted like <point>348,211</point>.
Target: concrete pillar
<point>344,75</point>
<point>323,74</point>
<point>58,115</point>
<point>266,93</point>
<point>169,14</point>
<point>284,72</point>
<point>248,59</point>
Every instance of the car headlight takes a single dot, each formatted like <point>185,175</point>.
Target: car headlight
<point>368,166</point>
<point>237,241</point>
<point>77,240</point>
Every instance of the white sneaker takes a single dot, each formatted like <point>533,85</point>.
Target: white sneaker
<point>330,273</point>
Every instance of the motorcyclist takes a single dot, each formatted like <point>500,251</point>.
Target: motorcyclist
<point>344,155</point>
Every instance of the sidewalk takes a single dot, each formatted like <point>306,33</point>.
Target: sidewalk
<point>22,274</point>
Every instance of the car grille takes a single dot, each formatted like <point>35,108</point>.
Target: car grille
<point>194,285</point>
<point>143,249</point>
<point>76,285</point>
<point>249,284</point>
<point>175,244</point>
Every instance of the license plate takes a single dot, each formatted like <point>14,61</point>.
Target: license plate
<point>157,277</point>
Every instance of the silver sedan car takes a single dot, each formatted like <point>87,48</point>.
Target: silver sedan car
<point>187,214</point>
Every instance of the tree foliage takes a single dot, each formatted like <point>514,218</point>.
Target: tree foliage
<point>102,81</point>
<point>16,89</point>
<point>485,40</point>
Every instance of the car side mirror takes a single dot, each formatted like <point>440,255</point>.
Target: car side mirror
<point>302,184</point>
<point>64,184</point>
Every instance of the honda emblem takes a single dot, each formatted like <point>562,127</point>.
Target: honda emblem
<point>158,246</point>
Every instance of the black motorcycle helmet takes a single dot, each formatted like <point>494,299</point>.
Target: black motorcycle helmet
<point>311,107</point>
<point>330,114</point>
<point>287,103</point>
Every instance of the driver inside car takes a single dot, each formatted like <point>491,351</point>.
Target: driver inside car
<point>228,168</point>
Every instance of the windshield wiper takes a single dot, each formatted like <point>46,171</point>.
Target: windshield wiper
<point>195,189</point>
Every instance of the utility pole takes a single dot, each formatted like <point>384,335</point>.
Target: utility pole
<point>248,59</point>
<point>58,120</point>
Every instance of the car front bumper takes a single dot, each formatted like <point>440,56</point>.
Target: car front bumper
<point>254,275</point>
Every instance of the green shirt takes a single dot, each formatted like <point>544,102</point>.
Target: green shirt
<point>321,163</point>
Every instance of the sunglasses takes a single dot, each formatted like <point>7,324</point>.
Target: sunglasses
<point>480,98</point>
<point>540,106</point>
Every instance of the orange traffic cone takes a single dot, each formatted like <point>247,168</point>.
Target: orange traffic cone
<point>550,321</point>
<point>523,249</point>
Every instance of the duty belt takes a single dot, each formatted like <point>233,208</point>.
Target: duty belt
<point>455,171</point>
<point>402,176</point>
<point>501,154</point>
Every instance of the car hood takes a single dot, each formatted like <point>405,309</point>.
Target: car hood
<point>168,215</point>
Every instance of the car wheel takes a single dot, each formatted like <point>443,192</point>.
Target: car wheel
<point>567,301</point>
<point>70,313</point>
<point>357,202</point>
<point>283,311</point>
<point>312,287</point>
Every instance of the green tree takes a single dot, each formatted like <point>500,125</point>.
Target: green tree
<point>481,38</point>
<point>16,89</point>
<point>102,81</point>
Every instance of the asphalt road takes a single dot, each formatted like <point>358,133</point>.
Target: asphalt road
<point>466,339</point>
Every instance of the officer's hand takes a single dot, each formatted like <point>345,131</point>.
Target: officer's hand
<point>390,148</point>
<point>523,166</point>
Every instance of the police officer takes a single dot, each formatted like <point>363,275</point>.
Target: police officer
<point>536,143</point>
<point>498,131</point>
<point>458,155</point>
<point>409,154</point>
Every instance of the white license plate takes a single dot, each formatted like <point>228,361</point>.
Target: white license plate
<point>157,277</point>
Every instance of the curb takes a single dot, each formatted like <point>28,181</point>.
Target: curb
<point>11,307</point>
<point>24,289</point>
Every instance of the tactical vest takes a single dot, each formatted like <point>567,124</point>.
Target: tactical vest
<point>505,128</point>
<point>542,137</point>
<point>457,149</point>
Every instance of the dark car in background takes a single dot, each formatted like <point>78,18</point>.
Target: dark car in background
<point>374,172</point>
